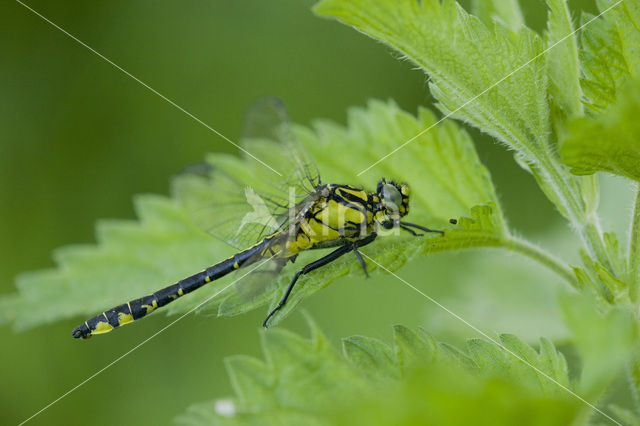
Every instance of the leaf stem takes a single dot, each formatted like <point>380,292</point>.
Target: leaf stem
<point>543,257</point>
<point>585,225</point>
<point>634,248</point>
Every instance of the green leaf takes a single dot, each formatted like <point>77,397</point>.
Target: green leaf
<point>633,376</point>
<point>505,12</point>
<point>615,253</point>
<point>445,174</point>
<point>306,381</point>
<point>492,78</point>
<point>483,229</point>
<point>438,395</point>
<point>563,63</point>
<point>550,366</point>
<point>488,357</point>
<point>297,383</point>
<point>251,379</point>
<point>628,417</point>
<point>633,253</point>
<point>369,354</point>
<point>131,259</point>
<point>458,357</point>
<point>465,61</point>
<point>610,142</point>
<point>618,289</point>
<point>544,371</point>
<point>136,258</point>
<point>626,17</point>
<point>605,341</point>
<point>553,362</point>
<point>444,158</point>
<point>413,348</point>
<point>610,52</point>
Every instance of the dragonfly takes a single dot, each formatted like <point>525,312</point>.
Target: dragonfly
<point>295,212</point>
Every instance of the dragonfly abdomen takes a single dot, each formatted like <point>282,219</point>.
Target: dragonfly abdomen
<point>138,308</point>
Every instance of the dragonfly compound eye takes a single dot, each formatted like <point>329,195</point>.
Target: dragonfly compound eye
<point>391,196</point>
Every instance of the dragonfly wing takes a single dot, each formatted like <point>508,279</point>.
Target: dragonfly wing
<point>267,119</point>
<point>227,209</point>
<point>254,288</point>
<point>241,201</point>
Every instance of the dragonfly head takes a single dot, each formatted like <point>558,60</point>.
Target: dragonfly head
<point>394,203</point>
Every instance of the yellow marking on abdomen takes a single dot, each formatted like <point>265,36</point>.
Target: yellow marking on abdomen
<point>124,318</point>
<point>102,327</point>
<point>151,307</point>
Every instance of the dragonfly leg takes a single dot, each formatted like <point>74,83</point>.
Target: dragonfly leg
<point>361,260</point>
<point>411,231</point>
<point>406,225</point>
<point>306,269</point>
<point>363,242</point>
<point>322,262</point>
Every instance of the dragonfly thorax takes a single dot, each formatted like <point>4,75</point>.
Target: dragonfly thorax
<point>394,203</point>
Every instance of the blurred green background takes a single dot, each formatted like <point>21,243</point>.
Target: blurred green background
<point>79,138</point>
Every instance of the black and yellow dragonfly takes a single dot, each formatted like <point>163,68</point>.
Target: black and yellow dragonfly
<point>311,215</point>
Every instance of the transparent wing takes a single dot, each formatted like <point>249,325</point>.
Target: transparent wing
<point>226,208</point>
<point>267,119</point>
<point>255,288</point>
<point>239,200</point>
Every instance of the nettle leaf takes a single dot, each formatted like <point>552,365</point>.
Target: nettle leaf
<point>550,364</point>
<point>492,78</point>
<point>609,142</point>
<point>442,167</point>
<point>298,383</point>
<point>369,354</point>
<point>615,253</point>
<point>506,12</point>
<point>617,290</point>
<point>606,339</point>
<point>601,283</point>
<point>610,52</point>
<point>415,380</point>
<point>513,359</point>
<point>628,417</point>
<point>563,63</point>
<point>482,229</point>
<point>133,258</point>
<point>464,59</point>
<point>413,348</point>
